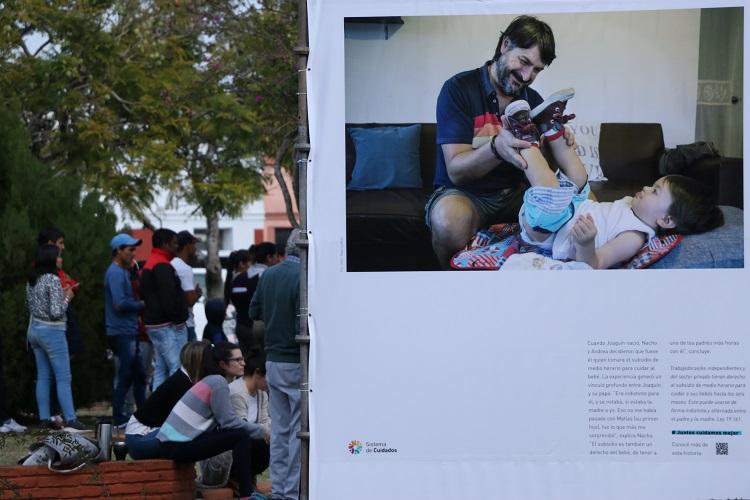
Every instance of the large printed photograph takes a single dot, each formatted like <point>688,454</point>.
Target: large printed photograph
<point>554,141</point>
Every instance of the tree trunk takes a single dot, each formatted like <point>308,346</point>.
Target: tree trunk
<point>213,263</point>
<point>277,172</point>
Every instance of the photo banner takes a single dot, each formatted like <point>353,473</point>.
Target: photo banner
<point>617,384</point>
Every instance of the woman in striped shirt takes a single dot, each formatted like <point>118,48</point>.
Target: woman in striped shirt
<point>203,424</point>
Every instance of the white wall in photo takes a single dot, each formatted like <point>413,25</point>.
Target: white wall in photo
<point>625,67</point>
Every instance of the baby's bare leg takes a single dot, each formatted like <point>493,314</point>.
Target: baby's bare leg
<point>538,172</point>
<point>569,161</point>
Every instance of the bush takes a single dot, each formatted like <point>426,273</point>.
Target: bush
<point>33,197</point>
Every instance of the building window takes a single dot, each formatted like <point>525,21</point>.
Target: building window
<point>225,240</point>
<point>281,234</point>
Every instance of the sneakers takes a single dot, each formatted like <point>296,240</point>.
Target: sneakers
<point>74,426</point>
<point>11,425</point>
<point>52,424</point>
<point>549,116</point>
<point>520,122</point>
<point>57,422</point>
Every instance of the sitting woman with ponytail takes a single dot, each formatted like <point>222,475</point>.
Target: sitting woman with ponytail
<point>203,424</point>
<point>144,424</point>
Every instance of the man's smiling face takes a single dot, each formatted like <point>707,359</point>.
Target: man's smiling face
<point>516,68</point>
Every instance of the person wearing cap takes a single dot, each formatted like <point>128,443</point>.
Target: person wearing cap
<point>166,310</point>
<point>186,253</point>
<point>121,310</point>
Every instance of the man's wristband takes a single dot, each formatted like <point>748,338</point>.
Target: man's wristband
<point>492,147</point>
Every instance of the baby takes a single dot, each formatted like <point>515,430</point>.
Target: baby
<point>557,215</point>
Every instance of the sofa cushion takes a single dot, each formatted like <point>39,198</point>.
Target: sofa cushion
<point>722,247</point>
<point>427,149</point>
<point>407,203</point>
<point>387,157</point>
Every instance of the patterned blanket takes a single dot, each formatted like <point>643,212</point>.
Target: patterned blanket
<point>491,247</point>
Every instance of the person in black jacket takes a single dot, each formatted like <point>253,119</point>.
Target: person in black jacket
<point>166,310</point>
<point>243,287</point>
<point>214,329</point>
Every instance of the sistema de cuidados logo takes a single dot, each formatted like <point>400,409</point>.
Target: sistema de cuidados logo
<point>355,447</point>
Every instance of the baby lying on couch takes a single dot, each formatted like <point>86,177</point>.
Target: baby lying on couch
<point>560,220</point>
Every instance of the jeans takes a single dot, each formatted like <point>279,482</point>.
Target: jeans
<point>167,341</point>
<point>210,444</point>
<point>143,447</point>
<point>51,353</point>
<point>191,334</point>
<point>146,355</point>
<point>129,372</point>
<point>284,396</point>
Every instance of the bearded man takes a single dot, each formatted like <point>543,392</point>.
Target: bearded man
<point>479,177</point>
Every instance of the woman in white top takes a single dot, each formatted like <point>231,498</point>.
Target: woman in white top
<point>249,397</point>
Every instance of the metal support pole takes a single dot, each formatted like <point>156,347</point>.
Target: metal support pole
<point>301,150</point>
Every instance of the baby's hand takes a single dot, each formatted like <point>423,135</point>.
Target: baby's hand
<point>584,230</point>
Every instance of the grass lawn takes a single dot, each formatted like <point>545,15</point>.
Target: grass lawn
<point>14,446</point>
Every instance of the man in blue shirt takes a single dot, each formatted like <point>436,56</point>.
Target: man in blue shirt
<point>121,310</point>
<point>479,177</point>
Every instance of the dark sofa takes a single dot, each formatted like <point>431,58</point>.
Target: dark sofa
<point>386,230</point>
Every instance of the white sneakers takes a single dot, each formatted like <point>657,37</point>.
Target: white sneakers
<point>11,425</point>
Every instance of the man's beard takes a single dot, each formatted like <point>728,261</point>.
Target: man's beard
<point>502,77</point>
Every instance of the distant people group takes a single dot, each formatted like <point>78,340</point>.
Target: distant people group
<point>210,400</point>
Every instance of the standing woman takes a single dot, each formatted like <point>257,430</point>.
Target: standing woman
<point>48,302</point>
<point>203,424</point>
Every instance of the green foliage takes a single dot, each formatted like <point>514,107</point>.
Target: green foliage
<point>33,197</point>
<point>129,96</point>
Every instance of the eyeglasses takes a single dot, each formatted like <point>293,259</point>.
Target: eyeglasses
<point>240,359</point>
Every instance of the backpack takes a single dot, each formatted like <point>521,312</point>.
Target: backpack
<point>674,161</point>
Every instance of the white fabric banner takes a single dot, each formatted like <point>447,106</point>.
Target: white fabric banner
<point>518,385</point>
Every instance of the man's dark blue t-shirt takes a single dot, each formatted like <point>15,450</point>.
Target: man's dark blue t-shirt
<point>467,113</point>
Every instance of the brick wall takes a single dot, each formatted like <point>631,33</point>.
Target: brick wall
<point>152,479</point>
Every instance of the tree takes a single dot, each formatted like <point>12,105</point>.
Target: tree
<point>32,197</point>
<point>267,36</point>
<point>128,95</point>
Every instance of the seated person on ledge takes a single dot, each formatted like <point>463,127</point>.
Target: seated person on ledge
<point>558,217</point>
